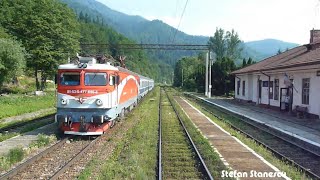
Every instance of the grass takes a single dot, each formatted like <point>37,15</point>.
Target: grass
<point>26,85</point>
<point>211,158</point>
<point>14,105</point>
<point>14,155</point>
<point>18,154</point>
<point>290,170</point>
<point>178,158</point>
<point>43,140</point>
<point>135,156</point>
<point>5,136</point>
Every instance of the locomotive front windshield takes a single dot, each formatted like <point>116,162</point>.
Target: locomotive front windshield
<point>70,79</point>
<point>95,79</point>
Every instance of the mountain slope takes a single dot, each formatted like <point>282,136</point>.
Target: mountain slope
<point>144,31</point>
<point>270,47</point>
<point>134,27</point>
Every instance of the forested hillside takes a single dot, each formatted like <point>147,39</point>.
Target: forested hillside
<point>38,36</point>
<point>141,31</point>
<point>144,31</point>
<point>93,31</point>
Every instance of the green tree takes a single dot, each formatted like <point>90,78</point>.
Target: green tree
<point>223,81</point>
<point>244,62</point>
<point>227,47</point>
<point>3,33</point>
<point>250,61</point>
<point>191,71</point>
<point>279,51</point>
<point>12,59</point>
<point>233,48</point>
<point>48,30</point>
<point>217,43</point>
<point>225,44</point>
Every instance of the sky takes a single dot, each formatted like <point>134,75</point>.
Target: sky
<point>286,20</point>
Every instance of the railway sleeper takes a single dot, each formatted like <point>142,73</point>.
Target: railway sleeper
<point>171,168</point>
<point>177,158</point>
<point>175,151</point>
<point>183,175</point>
<point>181,163</point>
<point>176,143</point>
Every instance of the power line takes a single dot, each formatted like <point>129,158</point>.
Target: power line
<point>175,16</point>
<point>184,9</point>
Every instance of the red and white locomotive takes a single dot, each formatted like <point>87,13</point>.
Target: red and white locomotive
<point>92,95</point>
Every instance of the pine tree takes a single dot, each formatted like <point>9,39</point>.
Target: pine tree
<point>81,16</point>
<point>279,51</point>
<point>249,61</point>
<point>244,63</point>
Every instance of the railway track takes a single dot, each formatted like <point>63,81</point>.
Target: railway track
<point>178,155</point>
<point>54,161</point>
<point>15,127</point>
<point>306,160</point>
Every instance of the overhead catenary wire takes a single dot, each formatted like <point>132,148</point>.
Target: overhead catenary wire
<point>184,9</point>
<point>175,16</point>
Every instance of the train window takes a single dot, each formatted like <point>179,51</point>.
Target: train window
<point>118,79</point>
<point>112,80</point>
<point>95,79</point>
<point>70,78</point>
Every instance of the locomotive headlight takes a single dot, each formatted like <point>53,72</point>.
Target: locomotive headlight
<point>64,101</point>
<point>99,102</point>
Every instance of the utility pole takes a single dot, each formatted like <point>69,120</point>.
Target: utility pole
<point>206,85</point>
<point>212,59</point>
<point>182,78</point>
<point>210,64</point>
<point>172,78</point>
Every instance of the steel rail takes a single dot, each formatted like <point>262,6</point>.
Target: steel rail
<point>75,158</point>
<point>277,153</point>
<point>160,139</point>
<point>190,139</point>
<point>24,165</point>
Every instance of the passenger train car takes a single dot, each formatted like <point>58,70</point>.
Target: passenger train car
<point>90,96</point>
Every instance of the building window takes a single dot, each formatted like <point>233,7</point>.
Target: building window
<point>265,83</point>
<point>276,89</point>
<point>270,89</point>
<point>305,90</point>
<point>238,87</point>
<point>243,88</point>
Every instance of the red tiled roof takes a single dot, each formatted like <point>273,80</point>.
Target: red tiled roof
<point>299,56</point>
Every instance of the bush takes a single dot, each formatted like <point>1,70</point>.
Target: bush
<point>15,155</point>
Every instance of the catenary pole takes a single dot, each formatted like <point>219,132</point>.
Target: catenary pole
<point>206,85</point>
<point>210,64</point>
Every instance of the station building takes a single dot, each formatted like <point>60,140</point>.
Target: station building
<point>289,81</point>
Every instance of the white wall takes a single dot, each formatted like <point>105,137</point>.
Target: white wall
<point>252,89</point>
<point>240,96</point>
<point>314,93</point>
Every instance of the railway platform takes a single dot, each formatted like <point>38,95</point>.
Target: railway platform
<point>242,160</point>
<point>306,131</point>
